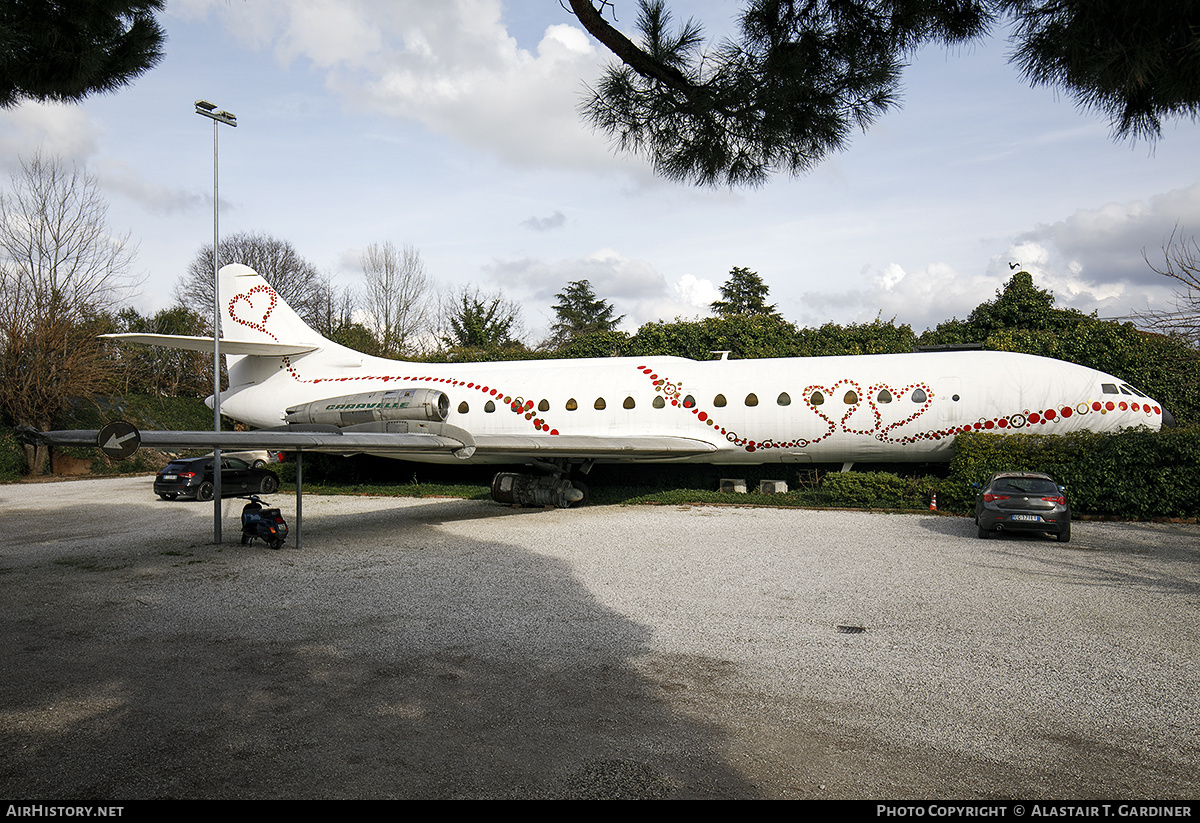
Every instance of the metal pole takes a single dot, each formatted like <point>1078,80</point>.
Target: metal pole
<point>209,110</point>
<point>299,494</point>
<point>216,342</point>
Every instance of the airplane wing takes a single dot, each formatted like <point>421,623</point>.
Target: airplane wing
<point>431,439</point>
<point>205,344</point>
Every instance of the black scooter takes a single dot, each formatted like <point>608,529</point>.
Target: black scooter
<point>265,524</point>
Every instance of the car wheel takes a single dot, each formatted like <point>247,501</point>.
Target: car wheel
<point>275,543</point>
<point>258,464</point>
<point>205,492</point>
<point>1064,536</point>
<point>268,485</point>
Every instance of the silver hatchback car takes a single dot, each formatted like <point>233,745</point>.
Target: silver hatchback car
<point>1023,501</point>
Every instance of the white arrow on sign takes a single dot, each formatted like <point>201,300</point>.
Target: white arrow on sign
<point>116,443</point>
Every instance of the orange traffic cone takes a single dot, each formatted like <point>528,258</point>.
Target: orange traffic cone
<point>933,503</point>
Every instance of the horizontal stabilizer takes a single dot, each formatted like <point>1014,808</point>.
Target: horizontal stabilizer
<point>205,344</point>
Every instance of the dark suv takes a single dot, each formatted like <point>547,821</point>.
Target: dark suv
<point>1023,501</point>
<point>193,477</point>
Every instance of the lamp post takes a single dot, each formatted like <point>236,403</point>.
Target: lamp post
<point>218,116</point>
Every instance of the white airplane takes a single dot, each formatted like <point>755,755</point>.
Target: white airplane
<point>303,391</point>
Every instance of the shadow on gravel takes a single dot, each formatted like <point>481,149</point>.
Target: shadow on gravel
<point>391,662</point>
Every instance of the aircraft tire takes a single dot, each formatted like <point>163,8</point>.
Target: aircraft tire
<point>206,491</point>
<point>586,494</point>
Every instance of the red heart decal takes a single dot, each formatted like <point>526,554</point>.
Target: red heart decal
<point>841,400</point>
<point>906,413</point>
<point>253,314</point>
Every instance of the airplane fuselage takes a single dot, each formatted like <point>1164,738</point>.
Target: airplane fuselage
<point>893,408</point>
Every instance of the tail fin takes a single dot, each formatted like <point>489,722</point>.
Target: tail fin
<point>253,312</point>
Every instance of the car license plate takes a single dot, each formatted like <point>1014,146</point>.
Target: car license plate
<point>170,477</point>
<point>1030,518</point>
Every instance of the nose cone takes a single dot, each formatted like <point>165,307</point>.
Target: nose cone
<point>1168,419</point>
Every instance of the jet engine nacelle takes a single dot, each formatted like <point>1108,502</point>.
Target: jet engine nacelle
<point>394,404</point>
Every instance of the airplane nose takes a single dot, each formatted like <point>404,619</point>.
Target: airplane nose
<point>1168,419</point>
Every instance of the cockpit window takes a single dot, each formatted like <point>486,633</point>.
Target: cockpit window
<point>1125,386</point>
<point>1109,388</point>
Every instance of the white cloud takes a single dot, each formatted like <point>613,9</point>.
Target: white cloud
<point>57,129</point>
<point>634,287</point>
<point>452,67</point>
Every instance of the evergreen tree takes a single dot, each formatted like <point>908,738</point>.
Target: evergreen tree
<point>743,294</point>
<point>804,74</point>
<point>65,50</point>
<point>580,312</point>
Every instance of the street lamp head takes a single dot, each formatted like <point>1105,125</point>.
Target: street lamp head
<point>209,110</point>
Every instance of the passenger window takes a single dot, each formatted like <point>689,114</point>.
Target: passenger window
<point>599,404</point>
<point>489,407</point>
<point>884,396</point>
<point>463,408</point>
<point>752,399</point>
<point>918,396</point>
<point>719,401</point>
<point>1125,390</point>
<point>1109,388</point>
<point>851,398</point>
<point>628,404</point>
<point>689,402</point>
<point>572,405</point>
<point>817,398</point>
<point>544,406</point>
<point>783,399</point>
<point>658,402</point>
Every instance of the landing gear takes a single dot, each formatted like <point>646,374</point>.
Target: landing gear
<point>536,490</point>
<point>554,489</point>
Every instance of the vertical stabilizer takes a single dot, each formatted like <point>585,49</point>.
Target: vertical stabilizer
<point>252,311</point>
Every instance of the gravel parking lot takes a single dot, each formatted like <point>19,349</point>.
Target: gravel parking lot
<point>449,648</point>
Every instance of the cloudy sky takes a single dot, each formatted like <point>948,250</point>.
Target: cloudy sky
<point>452,127</point>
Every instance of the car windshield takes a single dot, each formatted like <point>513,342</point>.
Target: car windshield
<point>1025,485</point>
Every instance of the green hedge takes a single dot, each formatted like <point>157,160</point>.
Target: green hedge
<point>1135,473</point>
